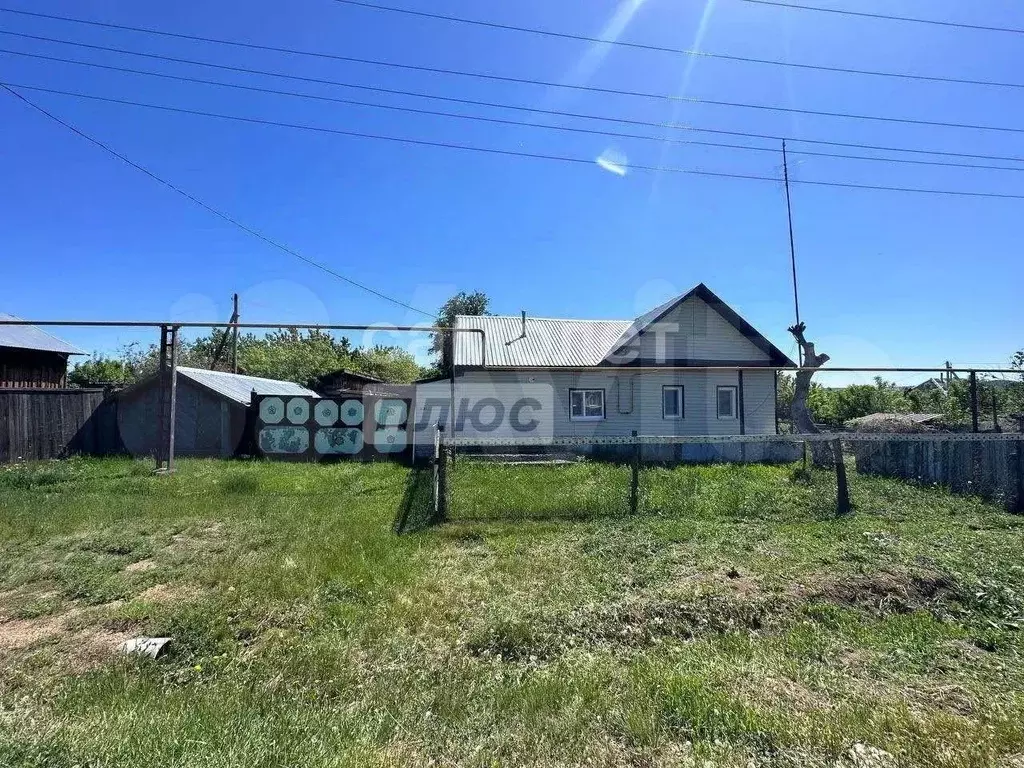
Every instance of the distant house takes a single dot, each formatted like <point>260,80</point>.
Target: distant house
<point>930,385</point>
<point>210,412</point>
<point>691,366</point>
<point>32,358</point>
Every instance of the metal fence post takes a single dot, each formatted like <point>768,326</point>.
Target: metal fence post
<point>172,417</point>
<point>842,486</point>
<point>437,469</point>
<point>1020,476</point>
<point>168,396</point>
<point>442,477</point>
<point>974,401</point>
<point>634,483</point>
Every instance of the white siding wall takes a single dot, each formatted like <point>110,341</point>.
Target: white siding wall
<point>702,334</point>
<point>641,410</point>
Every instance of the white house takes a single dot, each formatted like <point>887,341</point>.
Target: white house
<point>606,378</point>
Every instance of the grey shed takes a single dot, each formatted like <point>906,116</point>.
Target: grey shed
<point>210,415</point>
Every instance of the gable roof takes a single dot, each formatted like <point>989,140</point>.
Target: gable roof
<point>236,387</point>
<point>775,355</point>
<point>552,343</point>
<point>31,337</point>
<point>929,384</point>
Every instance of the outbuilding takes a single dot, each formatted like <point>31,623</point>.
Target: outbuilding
<point>31,358</point>
<point>211,411</point>
<point>347,382</point>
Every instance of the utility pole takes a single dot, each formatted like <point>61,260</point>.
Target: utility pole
<point>792,246</point>
<point>224,338</point>
<point>234,334</point>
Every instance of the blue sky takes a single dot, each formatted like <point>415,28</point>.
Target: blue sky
<point>886,278</point>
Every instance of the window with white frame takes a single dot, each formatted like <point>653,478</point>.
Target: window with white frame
<point>672,402</point>
<point>726,397</point>
<point>586,404</point>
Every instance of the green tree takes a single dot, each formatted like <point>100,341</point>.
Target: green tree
<point>292,355</point>
<point>927,400</point>
<point>288,354</point>
<point>100,370</point>
<point>392,364</point>
<point>1015,394</point>
<point>784,397</point>
<point>462,303</point>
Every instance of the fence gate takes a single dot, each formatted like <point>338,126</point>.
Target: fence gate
<point>359,427</point>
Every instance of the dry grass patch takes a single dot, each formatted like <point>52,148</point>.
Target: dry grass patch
<point>19,634</point>
<point>169,593</point>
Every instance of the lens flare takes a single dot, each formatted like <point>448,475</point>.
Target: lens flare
<point>596,53</point>
<point>613,161</point>
<point>684,83</point>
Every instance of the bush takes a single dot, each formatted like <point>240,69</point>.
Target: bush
<point>837,406</point>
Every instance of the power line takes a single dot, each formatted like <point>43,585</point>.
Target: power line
<point>509,152</point>
<point>696,100</point>
<point>507,106</point>
<point>889,17</point>
<point>667,49</point>
<point>502,121</point>
<point>206,206</point>
<point>353,59</point>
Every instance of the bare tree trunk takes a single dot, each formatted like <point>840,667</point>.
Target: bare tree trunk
<point>823,454</point>
<point>801,414</point>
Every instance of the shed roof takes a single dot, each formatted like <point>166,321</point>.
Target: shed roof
<point>235,387</point>
<point>31,337</point>
<point>239,387</point>
<point>552,343</point>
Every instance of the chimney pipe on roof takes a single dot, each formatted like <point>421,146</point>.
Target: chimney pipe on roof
<point>523,334</point>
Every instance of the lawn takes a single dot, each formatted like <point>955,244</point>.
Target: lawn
<point>734,621</point>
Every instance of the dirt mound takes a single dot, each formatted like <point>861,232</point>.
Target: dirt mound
<point>637,623</point>
<point>642,622</point>
<point>885,591</point>
<point>902,423</point>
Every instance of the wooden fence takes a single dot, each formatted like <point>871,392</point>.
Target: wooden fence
<point>52,423</point>
<point>991,469</point>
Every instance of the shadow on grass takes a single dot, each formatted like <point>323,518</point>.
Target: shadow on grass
<point>546,516</point>
<point>416,511</point>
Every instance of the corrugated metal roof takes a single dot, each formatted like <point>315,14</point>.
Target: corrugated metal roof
<point>238,387</point>
<point>31,337</point>
<point>550,343</point>
<point>547,343</point>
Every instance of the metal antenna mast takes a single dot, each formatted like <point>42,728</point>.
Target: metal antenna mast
<point>792,246</point>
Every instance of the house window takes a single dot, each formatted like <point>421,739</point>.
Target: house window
<point>672,402</point>
<point>586,404</point>
<point>726,397</point>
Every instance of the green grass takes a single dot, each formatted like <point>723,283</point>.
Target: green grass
<point>734,620</point>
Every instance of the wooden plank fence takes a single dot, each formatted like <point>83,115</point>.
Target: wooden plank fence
<point>991,469</point>
<point>53,423</point>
